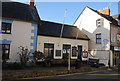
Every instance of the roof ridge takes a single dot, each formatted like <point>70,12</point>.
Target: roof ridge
<point>20,11</point>
<point>103,15</point>
<point>58,23</point>
<point>18,3</point>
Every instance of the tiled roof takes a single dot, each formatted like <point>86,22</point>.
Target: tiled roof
<point>116,16</point>
<point>54,29</point>
<point>19,11</point>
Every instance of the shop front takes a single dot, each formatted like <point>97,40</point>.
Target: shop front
<point>116,56</point>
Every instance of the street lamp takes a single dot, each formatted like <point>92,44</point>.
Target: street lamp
<point>69,62</point>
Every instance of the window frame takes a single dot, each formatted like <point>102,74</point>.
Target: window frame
<point>58,51</point>
<point>4,56</point>
<point>46,46</point>
<point>98,38</point>
<point>74,51</point>
<point>5,28</point>
<point>100,22</point>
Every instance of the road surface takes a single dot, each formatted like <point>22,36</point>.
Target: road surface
<point>108,75</point>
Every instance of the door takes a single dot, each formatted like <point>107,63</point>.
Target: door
<point>49,50</point>
<point>80,52</point>
<point>66,51</point>
<point>116,58</point>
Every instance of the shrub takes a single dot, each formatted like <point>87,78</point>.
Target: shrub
<point>24,54</point>
<point>38,55</point>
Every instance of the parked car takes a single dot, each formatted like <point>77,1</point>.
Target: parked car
<point>94,62</point>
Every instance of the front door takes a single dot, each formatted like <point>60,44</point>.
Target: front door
<point>49,50</point>
<point>116,58</point>
<point>80,52</point>
<point>66,51</point>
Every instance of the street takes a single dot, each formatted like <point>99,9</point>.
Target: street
<point>111,75</point>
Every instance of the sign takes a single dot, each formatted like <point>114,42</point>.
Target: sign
<point>117,48</point>
<point>118,37</point>
<point>85,54</point>
<point>68,50</point>
<point>64,51</point>
<point>105,44</point>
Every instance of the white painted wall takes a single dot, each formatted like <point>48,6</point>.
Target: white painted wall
<point>102,55</point>
<point>55,40</point>
<point>87,23</point>
<point>20,36</point>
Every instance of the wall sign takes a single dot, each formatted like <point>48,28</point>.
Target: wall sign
<point>118,37</point>
<point>68,51</point>
<point>85,54</point>
<point>117,48</point>
<point>64,51</point>
<point>105,44</point>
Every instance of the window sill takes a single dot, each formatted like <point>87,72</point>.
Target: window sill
<point>98,43</point>
<point>57,56</point>
<point>6,33</point>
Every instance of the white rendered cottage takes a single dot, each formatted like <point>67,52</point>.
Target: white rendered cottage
<point>18,27</point>
<point>103,31</point>
<point>72,41</point>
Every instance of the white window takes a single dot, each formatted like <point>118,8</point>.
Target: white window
<point>5,51</point>
<point>98,38</point>
<point>99,22</point>
<point>74,51</point>
<point>6,28</point>
<point>58,53</point>
<point>49,50</point>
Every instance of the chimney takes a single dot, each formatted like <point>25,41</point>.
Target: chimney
<point>31,3</point>
<point>105,11</point>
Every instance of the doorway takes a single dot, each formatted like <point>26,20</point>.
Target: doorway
<point>116,58</point>
<point>49,50</point>
<point>66,51</point>
<point>80,52</point>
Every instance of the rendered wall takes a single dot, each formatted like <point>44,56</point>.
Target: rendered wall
<point>55,40</point>
<point>87,23</point>
<point>22,34</point>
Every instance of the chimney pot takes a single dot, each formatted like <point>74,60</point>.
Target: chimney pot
<point>31,3</point>
<point>105,11</point>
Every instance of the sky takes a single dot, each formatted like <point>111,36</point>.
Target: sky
<point>55,11</point>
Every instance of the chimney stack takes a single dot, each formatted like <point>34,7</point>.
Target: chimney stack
<point>105,11</point>
<point>31,3</point>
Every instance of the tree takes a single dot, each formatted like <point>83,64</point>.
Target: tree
<point>24,54</point>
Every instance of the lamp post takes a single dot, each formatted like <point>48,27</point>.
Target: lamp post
<point>69,62</point>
